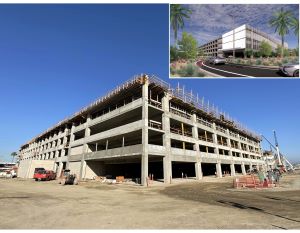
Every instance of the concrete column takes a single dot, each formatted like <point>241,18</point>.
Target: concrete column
<point>232,169</point>
<point>166,140</point>
<point>87,132</point>
<point>239,143</point>
<point>144,160</point>
<point>219,170</point>
<point>167,166</point>
<point>198,171</point>
<point>215,139</point>
<point>195,132</point>
<point>243,168</point>
<point>82,168</point>
<point>72,137</point>
<point>59,170</point>
<point>56,154</point>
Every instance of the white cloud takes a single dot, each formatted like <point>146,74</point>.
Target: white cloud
<point>208,21</point>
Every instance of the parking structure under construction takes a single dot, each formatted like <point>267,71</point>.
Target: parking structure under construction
<point>146,127</point>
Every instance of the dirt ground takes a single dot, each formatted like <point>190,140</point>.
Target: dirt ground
<point>208,204</point>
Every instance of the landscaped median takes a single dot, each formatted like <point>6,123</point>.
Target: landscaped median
<point>270,62</point>
<point>186,68</point>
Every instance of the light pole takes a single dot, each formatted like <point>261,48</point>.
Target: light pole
<point>233,41</point>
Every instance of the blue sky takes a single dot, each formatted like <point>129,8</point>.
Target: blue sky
<point>56,59</point>
<point>209,21</point>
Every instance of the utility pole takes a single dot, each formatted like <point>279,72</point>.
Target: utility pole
<point>233,35</point>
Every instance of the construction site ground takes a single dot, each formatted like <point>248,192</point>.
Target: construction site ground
<point>208,204</point>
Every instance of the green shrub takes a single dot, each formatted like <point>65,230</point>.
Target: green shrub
<point>265,63</point>
<point>257,54</point>
<point>279,63</point>
<point>190,70</point>
<point>249,62</point>
<point>172,70</point>
<point>258,62</point>
<point>238,61</point>
<point>285,60</point>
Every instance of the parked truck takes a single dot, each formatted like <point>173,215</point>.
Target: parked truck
<point>44,175</point>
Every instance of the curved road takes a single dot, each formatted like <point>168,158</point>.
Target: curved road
<point>232,70</point>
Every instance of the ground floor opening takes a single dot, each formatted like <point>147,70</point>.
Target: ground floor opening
<point>130,168</point>
<point>238,168</point>
<point>225,169</point>
<point>239,53</point>
<point>247,168</point>
<point>156,170</point>
<point>183,170</point>
<point>208,169</point>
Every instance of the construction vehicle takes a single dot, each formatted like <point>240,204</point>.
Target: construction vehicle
<point>281,161</point>
<point>68,178</point>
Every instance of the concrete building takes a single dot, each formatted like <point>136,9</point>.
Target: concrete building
<point>146,127</point>
<point>212,48</point>
<point>238,40</point>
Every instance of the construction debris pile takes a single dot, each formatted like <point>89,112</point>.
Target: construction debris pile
<point>260,179</point>
<point>107,180</point>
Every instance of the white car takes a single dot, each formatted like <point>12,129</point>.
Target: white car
<point>217,60</point>
<point>291,70</point>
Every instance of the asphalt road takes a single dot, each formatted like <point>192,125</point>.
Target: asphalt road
<point>230,70</point>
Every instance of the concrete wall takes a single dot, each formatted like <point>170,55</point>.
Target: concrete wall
<point>75,168</point>
<point>94,168</point>
<point>76,150</point>
<point>26,167</point>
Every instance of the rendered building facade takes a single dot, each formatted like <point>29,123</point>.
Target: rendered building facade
<point>145,127</point>
<point>239,39</point>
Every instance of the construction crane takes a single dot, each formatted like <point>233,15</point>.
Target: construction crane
<point>277,148</point>
<point>279,156</point>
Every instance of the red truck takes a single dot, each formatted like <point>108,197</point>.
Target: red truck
<point>44,175</point>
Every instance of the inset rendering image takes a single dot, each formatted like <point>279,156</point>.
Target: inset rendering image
<point>234,40</point>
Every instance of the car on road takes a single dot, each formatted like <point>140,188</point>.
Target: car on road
<point>44,175</point>
<point>291,70</point>
<point>216,60</point>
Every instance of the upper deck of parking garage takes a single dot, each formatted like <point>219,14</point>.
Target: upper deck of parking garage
<point>186,99</point>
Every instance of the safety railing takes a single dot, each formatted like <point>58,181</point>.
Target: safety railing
<point>204,122</point>
<point>180,132</point>
<point>155,103</point>
<point>155,124</point>
<point>185,115</point>
<point>202,138</point>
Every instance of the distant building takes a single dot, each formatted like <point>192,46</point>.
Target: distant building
<point>238,40</point>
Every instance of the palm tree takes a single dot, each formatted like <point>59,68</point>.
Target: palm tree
<point>177,15</point>
<point>295,27</point>
<point>281,20</point>
<point>13,154</point>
